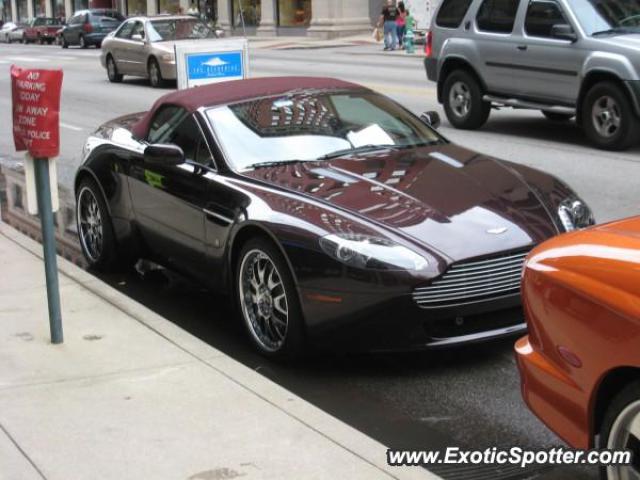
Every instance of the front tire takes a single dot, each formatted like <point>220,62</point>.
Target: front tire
<point>95,230</point>
<point>621,430</point>
<point>112,71</point>
<point>463,101</point>
<point>268,301</point>
<point>607,117</point>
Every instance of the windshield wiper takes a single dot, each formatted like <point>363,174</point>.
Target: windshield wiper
<point>277,163</point>
<point>612,31</point>
<point>361,149</point>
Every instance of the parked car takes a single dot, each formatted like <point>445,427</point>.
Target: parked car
<point>144,46</point>
<point>580,363</point>
<point>567,58</point>
<point>16,34</point>
<point>90,27</point>
<point>41,30</point>
<point>5,30</point>
<point>328,212</point>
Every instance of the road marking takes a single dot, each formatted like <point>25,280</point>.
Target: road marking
<point>70,127</point>
<point>28,59</point>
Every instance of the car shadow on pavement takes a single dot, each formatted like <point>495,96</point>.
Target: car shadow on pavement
<point>540,129</point>
<point>416,400</point>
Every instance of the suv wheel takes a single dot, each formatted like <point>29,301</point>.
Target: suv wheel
<point>463,102</point>
<point>607,117</point>
<point>557,117</point>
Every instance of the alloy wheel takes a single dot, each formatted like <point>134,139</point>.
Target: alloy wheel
<point>606,116</point>
<point>90,224</point>
<point>460,99</point>
<point>625,434</point>
<point>264,300</point>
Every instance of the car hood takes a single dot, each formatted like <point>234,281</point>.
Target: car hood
<point>455,202</point>
<point>626,40</point>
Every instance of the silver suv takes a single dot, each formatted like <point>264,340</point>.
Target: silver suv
<point>567,58</point>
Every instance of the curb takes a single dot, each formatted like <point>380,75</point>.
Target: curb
<point>357,443</point>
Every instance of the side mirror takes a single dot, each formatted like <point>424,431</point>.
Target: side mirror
<point>163,155</point>
<point>137,37</point>
<point>563,31</point>
<point>431,118</point>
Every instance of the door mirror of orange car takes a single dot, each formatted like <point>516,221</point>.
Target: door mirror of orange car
<point>431,118</point>
<point>163,155</point>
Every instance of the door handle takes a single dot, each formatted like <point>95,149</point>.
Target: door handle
<point>522,47</point>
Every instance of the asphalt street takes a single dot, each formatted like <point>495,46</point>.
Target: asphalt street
<point>468,397</point>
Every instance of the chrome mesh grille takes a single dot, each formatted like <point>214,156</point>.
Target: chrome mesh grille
<point>473,282</point>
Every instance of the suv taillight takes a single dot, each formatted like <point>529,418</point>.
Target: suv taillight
<point>87,27</point>
<point>428,44</point>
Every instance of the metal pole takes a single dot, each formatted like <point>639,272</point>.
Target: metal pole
<point>43,192</point>
<point>244,30</point>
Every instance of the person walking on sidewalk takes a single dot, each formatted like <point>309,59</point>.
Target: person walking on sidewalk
<point>401,23</point>
<point>388,20</point>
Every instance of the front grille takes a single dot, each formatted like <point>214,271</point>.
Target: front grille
<point>473,282</point>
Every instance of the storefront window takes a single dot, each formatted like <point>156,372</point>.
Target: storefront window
<point>169,6</point>
<point>57,9</point>
<point>250,11</point>
<point>39,8</point>
<point>294,13</point>
<point>23,13</point>
<point>136,7</point>
<point>80,5</point>
<point>5,11</point>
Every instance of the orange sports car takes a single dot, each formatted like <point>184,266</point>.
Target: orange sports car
<point>580,362</point>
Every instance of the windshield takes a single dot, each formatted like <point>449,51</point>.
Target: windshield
<point>178,29</point>
<point>608,16</point>
<point>307,126</point>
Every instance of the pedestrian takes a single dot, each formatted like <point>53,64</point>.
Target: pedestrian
<point>401,23</point>
<point>388,21</point>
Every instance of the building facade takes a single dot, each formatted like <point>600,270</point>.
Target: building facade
<point>317,18</point>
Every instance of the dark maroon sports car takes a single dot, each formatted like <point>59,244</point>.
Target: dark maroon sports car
<point>331,214</point>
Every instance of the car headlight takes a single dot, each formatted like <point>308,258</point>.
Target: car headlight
<point>365,251</point>
<point>574,214</point>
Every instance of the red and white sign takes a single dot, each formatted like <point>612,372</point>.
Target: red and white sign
<point>36,111</point>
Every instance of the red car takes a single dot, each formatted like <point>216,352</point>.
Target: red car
<point>580,363</point>
<point>41,30</point>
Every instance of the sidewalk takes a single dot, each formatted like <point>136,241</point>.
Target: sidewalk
<point>131,396</point>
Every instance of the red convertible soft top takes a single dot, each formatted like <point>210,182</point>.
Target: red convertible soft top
<point>229,92</point>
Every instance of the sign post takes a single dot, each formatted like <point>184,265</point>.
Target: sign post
<point>205,62</point>
<point>36,111</point>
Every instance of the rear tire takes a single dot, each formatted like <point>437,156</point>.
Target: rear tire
<point>557,117</point>
<point>615,432</point>
<point>112,71</point>
<point>95,230</point>
<point>267,300</point>
<point>608,118</point>
<point>155,74</point>
<point>463,104</point>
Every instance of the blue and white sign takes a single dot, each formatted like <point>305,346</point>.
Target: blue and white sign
<point>204,62</point>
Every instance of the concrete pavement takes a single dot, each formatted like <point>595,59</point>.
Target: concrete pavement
<point>131,396</point>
